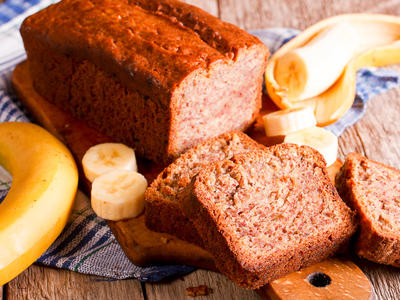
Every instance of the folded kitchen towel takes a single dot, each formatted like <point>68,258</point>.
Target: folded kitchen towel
<point>87,245</point>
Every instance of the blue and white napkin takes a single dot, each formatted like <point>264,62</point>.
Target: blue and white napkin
<point>87,244</point>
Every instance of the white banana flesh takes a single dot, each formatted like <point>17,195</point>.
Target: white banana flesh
<point>310,70</point>
<point>285,121</point>
<point>318,138</point>
<point>118,195</point>
<point>103,158</point>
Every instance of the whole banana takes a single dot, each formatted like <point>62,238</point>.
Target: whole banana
<point>37,207</point>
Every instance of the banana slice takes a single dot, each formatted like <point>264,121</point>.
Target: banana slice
<point>318,138</point>
<point>103,158</point>
<point>283,122</point>
<point>118,195</point>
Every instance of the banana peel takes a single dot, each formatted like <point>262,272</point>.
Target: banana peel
<point>333,103</point>
<point>37,207</point>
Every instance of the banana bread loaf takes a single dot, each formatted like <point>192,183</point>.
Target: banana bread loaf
<point>164,197</point>
<point>372,189</point>
<point>267,213</point>
<point>158,75</point>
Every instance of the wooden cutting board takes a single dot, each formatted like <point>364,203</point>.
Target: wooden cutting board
<point>145,247</point>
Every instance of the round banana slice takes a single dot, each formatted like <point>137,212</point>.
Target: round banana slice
<point>103,158</point>
<point>318,138</point>
<point>285,121</point>
<point>118,195</point>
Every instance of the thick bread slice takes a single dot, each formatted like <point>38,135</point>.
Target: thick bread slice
<point>372,189</point>
<point>165,195</point>
<point>267,213</point>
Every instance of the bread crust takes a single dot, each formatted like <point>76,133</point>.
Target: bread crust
<point>130,69</point>
<point>372,242</point>
<point>246,268</point>
<point>164,197</point>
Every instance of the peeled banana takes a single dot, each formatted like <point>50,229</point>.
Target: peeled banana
<point>310,70</point>
<point>103,158</point>
<point>37,207</point>
<point>282,122</point>
<point>318,138</point>
<point>118,195</point>
<point>318,67</point>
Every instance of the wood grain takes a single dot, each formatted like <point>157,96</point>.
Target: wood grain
<point>253,14</point>
<point>39,282</point>
<point>210,6</point>
<point>222,287</point>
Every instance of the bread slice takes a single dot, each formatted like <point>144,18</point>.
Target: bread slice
<point>372,189</point>
<point>267,213</point>
<point>165,195</point>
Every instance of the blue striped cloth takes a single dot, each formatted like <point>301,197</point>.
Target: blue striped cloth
<point>87,244</point>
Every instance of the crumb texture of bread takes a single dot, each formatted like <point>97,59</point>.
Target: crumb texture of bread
<point>158,75</point>
<point>201,290</point>
<point>267,213</point>
<point>165,196</point>
<point>372,189</point>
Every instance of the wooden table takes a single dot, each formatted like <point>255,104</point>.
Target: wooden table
<point>377,136</point>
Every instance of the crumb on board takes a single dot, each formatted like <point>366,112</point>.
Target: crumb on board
<point>164,240</point>
<point>201,290</point>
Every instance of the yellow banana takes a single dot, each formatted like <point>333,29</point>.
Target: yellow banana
<point>310,70</point>
<point>338,99</point>
<point>375,44</point>
<point>37,207</point>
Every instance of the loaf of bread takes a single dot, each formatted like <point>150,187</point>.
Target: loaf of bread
<point>372,189</point>
<point>164,197</point>
<point>267,213</point>
<point>158,75</point>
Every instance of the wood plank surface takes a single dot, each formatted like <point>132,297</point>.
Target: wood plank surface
<point>377,135</point>
<point>39,282</point>
<point>222,287</point>
<point>255,14</point>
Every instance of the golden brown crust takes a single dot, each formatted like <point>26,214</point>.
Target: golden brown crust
<point>247,249</point>
<point>139,38</point>
<point>374,242</point>
<point>153,54</point>
<point>164,197</point>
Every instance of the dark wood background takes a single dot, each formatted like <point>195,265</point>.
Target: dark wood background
<point>377,136</point>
